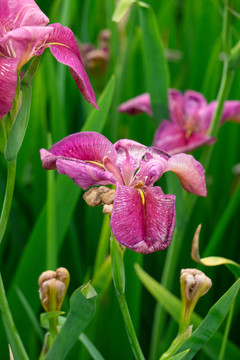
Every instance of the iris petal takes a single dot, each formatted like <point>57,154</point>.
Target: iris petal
<point>143,226</point>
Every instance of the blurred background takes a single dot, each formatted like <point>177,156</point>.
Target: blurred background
<point>191,34</point>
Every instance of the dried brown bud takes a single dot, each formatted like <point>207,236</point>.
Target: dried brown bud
<point>107,209</point>
<point>100,196</point>
<point>108,197</point>
<point>52,288</point>
<point>92,197</point>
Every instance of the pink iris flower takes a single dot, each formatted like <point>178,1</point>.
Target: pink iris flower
<point>143,217</point>
<point>24,34</point>
<point>190,119</point>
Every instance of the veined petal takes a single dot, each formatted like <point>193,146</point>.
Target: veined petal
<point>8,84</point>
<point>64,48</point>
<point>143,222</point>
<point>171,138</point>
<point>150,171</point>
<point>190,173</point>
<point>137,105</point>
<point>21,43</point>
<point>87,146</point>
<point>84,174</point>
<point>134,149</point>
<point>25,13</point>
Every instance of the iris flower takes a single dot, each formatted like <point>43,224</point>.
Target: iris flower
<point>143,217</point>
<point>190,119</point>
<point>24,34</point>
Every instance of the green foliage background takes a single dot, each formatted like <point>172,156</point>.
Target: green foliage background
<point>193,30</point>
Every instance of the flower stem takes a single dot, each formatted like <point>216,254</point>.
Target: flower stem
<point>11,173</point>
<point>119,283</point>
<point>13,336</point>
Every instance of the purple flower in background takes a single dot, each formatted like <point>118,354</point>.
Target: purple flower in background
<point>143,217</point>
<point>24,34</point>
<point>190,119</point>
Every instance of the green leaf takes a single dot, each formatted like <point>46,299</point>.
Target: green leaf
<point>180,355</point>
<point>97,118</point>
<point>173,306</point>
<point>33,318</point>
<point>93,351</point>
<point>82,310</point>
<point>211,322</point>
<point>44,317</point>
<point>156,65</point>
<point>212,260</point>
<point>121,9</point>
<point>19,127</point>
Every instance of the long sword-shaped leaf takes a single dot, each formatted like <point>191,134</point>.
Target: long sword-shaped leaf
<point>19,127</point>
<point>97,118</point>
<point>156,66</point>
<point>121,9</point>
<point>82,310</point>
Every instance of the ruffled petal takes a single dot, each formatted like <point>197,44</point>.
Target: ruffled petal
<point>171,138</point>
<point>8,84</point>
<point>64,48</point>
<point>83,174</point>
<point>190,173</point>
<point>130,154</point>
<point>150,171</point>
<point>86,146</point>
<point>143,222</point>
<point>25,13</point>
<point>137,105</point>
<point>21,43</point>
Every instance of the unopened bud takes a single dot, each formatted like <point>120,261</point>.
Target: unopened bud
<point>52,288</point>
<point>194,284</point>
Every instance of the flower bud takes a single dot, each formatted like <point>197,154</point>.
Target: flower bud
<point>194,284</point>
<point>52,288</point>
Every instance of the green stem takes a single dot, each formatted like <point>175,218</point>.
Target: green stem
<point>226,332</point>
<point>17,347</point>
<point>11,174</point>
<point>51,253</point>
<point>119,283</point>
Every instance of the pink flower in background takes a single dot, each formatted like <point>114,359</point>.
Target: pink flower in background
<point>24,34</point>
<point>143,217</point>
<point>190,119</point>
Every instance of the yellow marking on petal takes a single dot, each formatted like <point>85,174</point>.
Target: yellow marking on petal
<point>188,133</point>
<point>142,196</point>
<point>95,162</point>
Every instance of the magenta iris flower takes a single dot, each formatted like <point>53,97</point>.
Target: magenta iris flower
<point>24,34</point>
<point>143,217</point>
<point>190,119</point>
